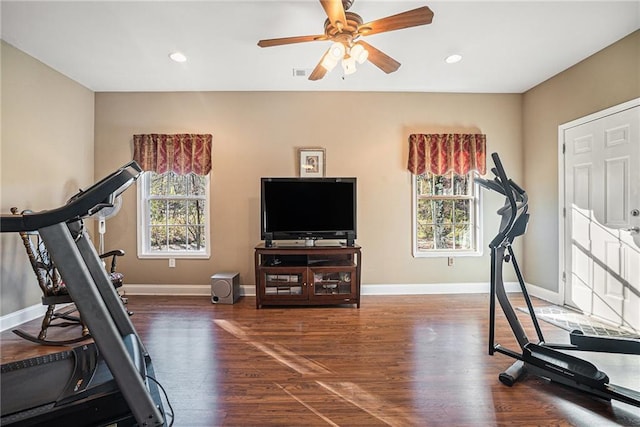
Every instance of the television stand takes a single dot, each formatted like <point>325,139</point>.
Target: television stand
<point>307,275</point>
<point>335,243</point>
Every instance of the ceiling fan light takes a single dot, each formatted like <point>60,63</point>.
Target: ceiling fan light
<point>337,51</point>
<point>349,65</point>
<point>359,53</point>
<point>329,62</point>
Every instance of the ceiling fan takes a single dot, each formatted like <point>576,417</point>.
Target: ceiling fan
<point>345,30</point>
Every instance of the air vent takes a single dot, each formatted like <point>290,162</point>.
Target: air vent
<point>301,72</point>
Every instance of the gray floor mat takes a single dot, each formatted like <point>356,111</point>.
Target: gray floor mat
<point>571,320</point>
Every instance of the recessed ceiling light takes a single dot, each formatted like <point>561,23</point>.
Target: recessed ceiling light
<point>178,56</point>
<point>452,59</point>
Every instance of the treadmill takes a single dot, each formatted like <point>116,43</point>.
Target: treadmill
<point>107,382</point>
<point>542,359</point>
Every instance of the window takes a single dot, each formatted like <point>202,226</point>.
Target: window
<point>173,215</point>
<point>446,215</point>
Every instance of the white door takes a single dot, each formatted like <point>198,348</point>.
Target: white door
<point>602,215</point>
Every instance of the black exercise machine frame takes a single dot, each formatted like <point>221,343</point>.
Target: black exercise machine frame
<point>542,359</point>
<point>117,341</point>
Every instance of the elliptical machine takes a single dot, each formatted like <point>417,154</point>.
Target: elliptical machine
<point>542,359</point>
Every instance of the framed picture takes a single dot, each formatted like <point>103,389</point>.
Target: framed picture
<point>311,162</point>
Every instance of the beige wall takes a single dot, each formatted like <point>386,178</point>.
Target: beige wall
<point>47,155</point>
<point>256,134</point>
<point>608,78</point>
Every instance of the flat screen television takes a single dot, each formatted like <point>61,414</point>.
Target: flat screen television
<point>308,209</point>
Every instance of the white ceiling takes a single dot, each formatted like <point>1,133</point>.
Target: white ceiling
<point>508,46</point>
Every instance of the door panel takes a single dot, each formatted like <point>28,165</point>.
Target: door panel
<point>581,266</point>
<point>616,197</point>
<point>608,290</point>
<point>631,274</point>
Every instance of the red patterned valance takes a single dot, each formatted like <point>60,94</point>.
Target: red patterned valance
<point>442,153</point>
<point>181,153</point>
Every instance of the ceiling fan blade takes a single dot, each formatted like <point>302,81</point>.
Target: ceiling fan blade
<point>411,18</point>
<point>319,72</point>
<point>380,59</point>
<point>291,40</point>
<point>335,12</point>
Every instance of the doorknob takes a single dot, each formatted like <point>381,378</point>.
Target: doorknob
<point>633,230</point>
<point>635,212</point>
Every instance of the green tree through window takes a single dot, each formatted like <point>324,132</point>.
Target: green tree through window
<point>446,211</point>
<point>174,214</point>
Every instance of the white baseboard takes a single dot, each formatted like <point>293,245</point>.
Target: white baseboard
<point>378,289</point>
<point>175,290</point>
<point>11,320</point>
<point>545,294</point>
<point>433,288</point>
<point>14,319</point>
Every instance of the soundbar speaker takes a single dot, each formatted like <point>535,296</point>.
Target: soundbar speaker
<point>225,288</point>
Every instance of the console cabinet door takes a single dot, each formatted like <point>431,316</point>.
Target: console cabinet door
<point>283,285</point>
<point>332,285</point>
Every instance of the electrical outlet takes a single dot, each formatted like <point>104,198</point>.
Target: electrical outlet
<point>172,262</point>
<point>450,261</point>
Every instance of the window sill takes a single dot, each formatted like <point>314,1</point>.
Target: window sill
<point>175,255</point>
<point>445,254</point>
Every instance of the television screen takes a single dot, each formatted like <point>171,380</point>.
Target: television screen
<point>308,208</point>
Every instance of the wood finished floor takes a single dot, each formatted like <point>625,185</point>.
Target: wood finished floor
<point>396,361</point>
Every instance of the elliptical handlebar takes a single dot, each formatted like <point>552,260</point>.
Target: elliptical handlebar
<point>508,191</point>
<point>516,200</point>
